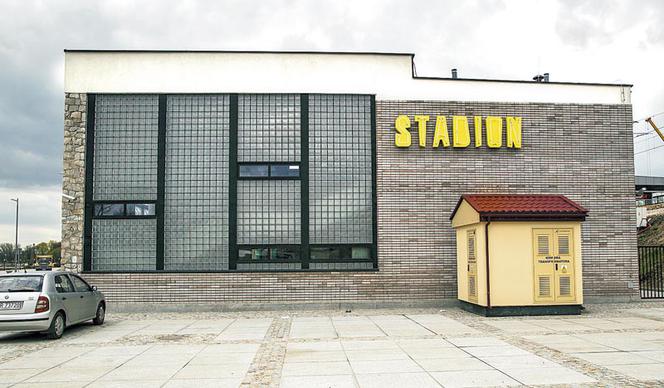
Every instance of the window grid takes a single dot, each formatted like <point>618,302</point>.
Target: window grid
<point>124,245</point>
<point>340,169</point>
<point>268,128</point>
<point>125,147</point>
<point>196,189</point>
<point>268,212</point>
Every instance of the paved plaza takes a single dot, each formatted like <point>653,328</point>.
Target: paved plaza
<point>609,345</point>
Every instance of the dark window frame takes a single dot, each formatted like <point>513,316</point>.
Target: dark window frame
<point>269,175</point>
<point>370,259</point>
<point>294,247</point>
<point>123,216</point>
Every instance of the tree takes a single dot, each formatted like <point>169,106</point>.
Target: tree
<point>7,251</point>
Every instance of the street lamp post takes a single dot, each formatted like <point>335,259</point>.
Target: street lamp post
<point>16,257</point>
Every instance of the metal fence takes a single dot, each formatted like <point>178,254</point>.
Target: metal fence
<point>651,271</point>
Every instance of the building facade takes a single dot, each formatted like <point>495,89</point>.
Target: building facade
<point>221,178</point>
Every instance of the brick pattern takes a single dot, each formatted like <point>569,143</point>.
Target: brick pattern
<point>584,152</point>
<point>581,151</point>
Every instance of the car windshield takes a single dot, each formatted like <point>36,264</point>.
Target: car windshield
<point>21,283</point>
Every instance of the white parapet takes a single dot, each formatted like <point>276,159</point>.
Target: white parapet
<point>388,76</point>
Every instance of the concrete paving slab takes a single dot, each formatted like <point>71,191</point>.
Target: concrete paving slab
<point>657,355</point>
<point>520,361</point>
<point>488,351</point>
<point>640,323</point>
<point>642,371</point>
<point>316,368</point>
<point>120,350</point>
<point>613,358</point>
<point>385,366</point>
<point>204,383</point>
<point>9,376</point>
<point>452,364</point>
<point>138,373</point>
<point>237,370</point>
<point>376,354</point>
<point>369,344</point>
<point>309,356</point>
<point>442,325</point>
<point>428,353</point>
<point>548,376</point>
<point>92,360</point>
<point>79,374</point>
<point>52,384</point>
<point>516,326</point>
<point>337,381</point>
<point>174,359</point>
<point>396,380</point>
<point>622,341</point>
<point>31,361</point>
<point>600,324</point>
<point>230,348</point>
<point>124,384</point>
<point>168,349</point>
<point>222,358</point>
<point>476,341</point>
<point>400,326</point>
<point>480,378</point>
<point>423,343</point>
<point>560,325</point>
<point>319,346</point>
<point>569,344</point>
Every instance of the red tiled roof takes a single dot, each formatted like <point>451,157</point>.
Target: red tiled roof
<point>523,205</point>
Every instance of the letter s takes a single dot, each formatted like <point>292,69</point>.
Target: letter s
<point>402,137</point>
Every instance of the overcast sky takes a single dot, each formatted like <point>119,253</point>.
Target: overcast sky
<point>584,41</point>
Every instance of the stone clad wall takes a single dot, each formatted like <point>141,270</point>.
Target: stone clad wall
<point>73,180</point>
<point>581,151</point>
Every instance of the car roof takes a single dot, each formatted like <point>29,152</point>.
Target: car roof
<point>42,274</point>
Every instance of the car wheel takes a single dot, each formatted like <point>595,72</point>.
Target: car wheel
<point>101,315</point>
<point>57,326</point>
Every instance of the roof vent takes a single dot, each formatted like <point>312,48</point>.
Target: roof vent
<point>541,77</point>
<point>454,73</point>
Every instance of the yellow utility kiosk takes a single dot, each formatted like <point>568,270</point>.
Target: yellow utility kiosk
<point>519,254</point>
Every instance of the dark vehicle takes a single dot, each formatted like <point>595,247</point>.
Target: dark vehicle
<point>44,263</point>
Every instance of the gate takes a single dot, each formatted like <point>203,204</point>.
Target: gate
<point>651,272</point>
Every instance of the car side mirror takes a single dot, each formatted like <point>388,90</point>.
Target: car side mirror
<point>93,288</point>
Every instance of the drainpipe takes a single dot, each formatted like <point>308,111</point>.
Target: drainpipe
<point>488,276</point>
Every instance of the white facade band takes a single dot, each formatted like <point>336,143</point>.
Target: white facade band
<point>388,76</point>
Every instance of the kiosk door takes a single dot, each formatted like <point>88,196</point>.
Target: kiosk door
<point>554,265</point>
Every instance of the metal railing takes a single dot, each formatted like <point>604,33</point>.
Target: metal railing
<point>650,201</point>
<point>651,272</point>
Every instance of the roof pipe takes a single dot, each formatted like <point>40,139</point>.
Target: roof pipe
<point>488,276</point>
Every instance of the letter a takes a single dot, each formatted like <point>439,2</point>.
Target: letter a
<point>440,134</point>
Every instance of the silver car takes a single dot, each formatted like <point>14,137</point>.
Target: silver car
<point>48,302</point>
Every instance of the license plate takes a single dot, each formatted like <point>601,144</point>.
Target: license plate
<point>11,305</point>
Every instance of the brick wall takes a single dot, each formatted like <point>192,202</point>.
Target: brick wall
<point>582,151</point>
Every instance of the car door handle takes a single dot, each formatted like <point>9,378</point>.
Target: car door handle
<point>63,298</point>
<point>82,296</point>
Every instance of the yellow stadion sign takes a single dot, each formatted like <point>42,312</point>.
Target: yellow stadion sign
<point>460,131</point>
